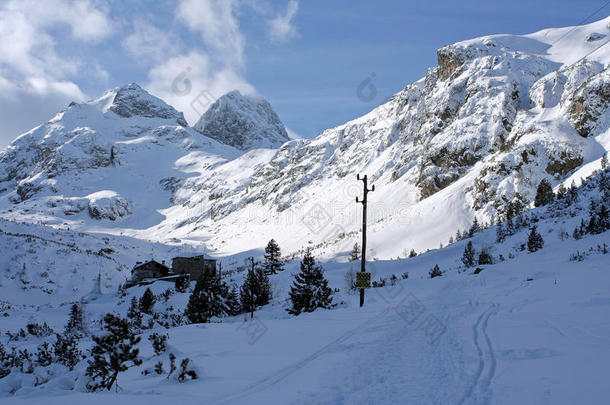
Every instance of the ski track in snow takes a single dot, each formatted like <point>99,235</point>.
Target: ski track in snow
<point>481,384</point>
<point>283,373</point>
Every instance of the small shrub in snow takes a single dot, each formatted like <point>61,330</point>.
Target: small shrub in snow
<point>159,343</point>
<point>66,350</point>
<point>39,330</point>
<point>435,272</point>
<point>182,284</point>
<point>186,372</point>
<point>159,368</point>
<point>44,355</point>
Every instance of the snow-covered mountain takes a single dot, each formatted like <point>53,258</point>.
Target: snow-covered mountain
<point>483,128</point>
<point>243,121</point>
<point>527,327</point>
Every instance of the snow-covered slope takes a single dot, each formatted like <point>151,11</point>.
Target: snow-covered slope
<point>531,328</point>
<point>243,121</point>
<point>483,128</point>
<point>116,159</point>
<point>498,114</point>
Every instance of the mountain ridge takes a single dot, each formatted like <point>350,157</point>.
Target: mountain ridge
<point>479,131</point>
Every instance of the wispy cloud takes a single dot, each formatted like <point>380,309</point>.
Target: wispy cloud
<point>33,73</point>
<point>282,28</point>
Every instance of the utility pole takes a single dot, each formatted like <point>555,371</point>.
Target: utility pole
<point>363,273</point>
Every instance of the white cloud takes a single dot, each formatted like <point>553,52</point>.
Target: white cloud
<point>35,81</point>
<point>215,21</point>
<point>190,83</point>
<point>194,79</point>
<point>149,42</point>
<point>281,28</point>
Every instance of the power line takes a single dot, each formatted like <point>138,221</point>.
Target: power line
<point>581,23</point>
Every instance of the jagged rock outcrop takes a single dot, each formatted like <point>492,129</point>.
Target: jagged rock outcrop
<point>243,121</point>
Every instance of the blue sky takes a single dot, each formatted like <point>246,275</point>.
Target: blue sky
<point>307,57</point>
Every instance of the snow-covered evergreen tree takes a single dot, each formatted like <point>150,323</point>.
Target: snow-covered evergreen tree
<point>247,292</point>
<point>485,258</point>
<point>113,353</point>
<point>75,324</point>
<point>474,228</point>
<point>67,351</point>
<point>233,303</point>
<point>355,253</point>
<point>5,364</point>
<point>534,240</point>
<point>604,162</point>
<point>44,355</point>
<point>273,258</point>
<point>134,315</point>
<point>544,194</point>
<point>147,301</point>
<point>310,289</point>
<point>263,288</point>
<point>468,255</point>
<point>207,300</point>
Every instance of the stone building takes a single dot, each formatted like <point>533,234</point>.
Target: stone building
<point>195,266</point>
<point>150,269</point>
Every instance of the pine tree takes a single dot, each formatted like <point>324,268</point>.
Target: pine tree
<point>273,258</point>
<point>66,350</point>
<point>604,161</point>
<point>485,258</point>
<point>147,301</point>
<point>207,300</point>
<point>468,255</point>
<point>248,292</point>
<point>5,362</point>
<point>75,324</point>
<point>474,228</point>
<point>310,289</point>
<point>435,272</point>
<point>158,342</point>
<point>544,194</point>
<point>263,288</point>
<point>561,192</point>
<point>355,253</point>
<point>44,355</point>
<point>182,284</point>
<point>134,315</point>
<point>500,233</point>
<point>233,303</point>
<point>412,253</point>
<point>534,240</point>
<point>112,353</point>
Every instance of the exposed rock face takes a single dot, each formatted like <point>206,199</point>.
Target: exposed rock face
<point>498,115</point>
<point>107,205</point>
<point>589,105</point>
<point>244,122</point>
<point>448,62</point>
<point>131,100</point>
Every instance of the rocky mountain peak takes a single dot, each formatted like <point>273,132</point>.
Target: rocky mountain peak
<point>243,121</point>
<point>133,101</point>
